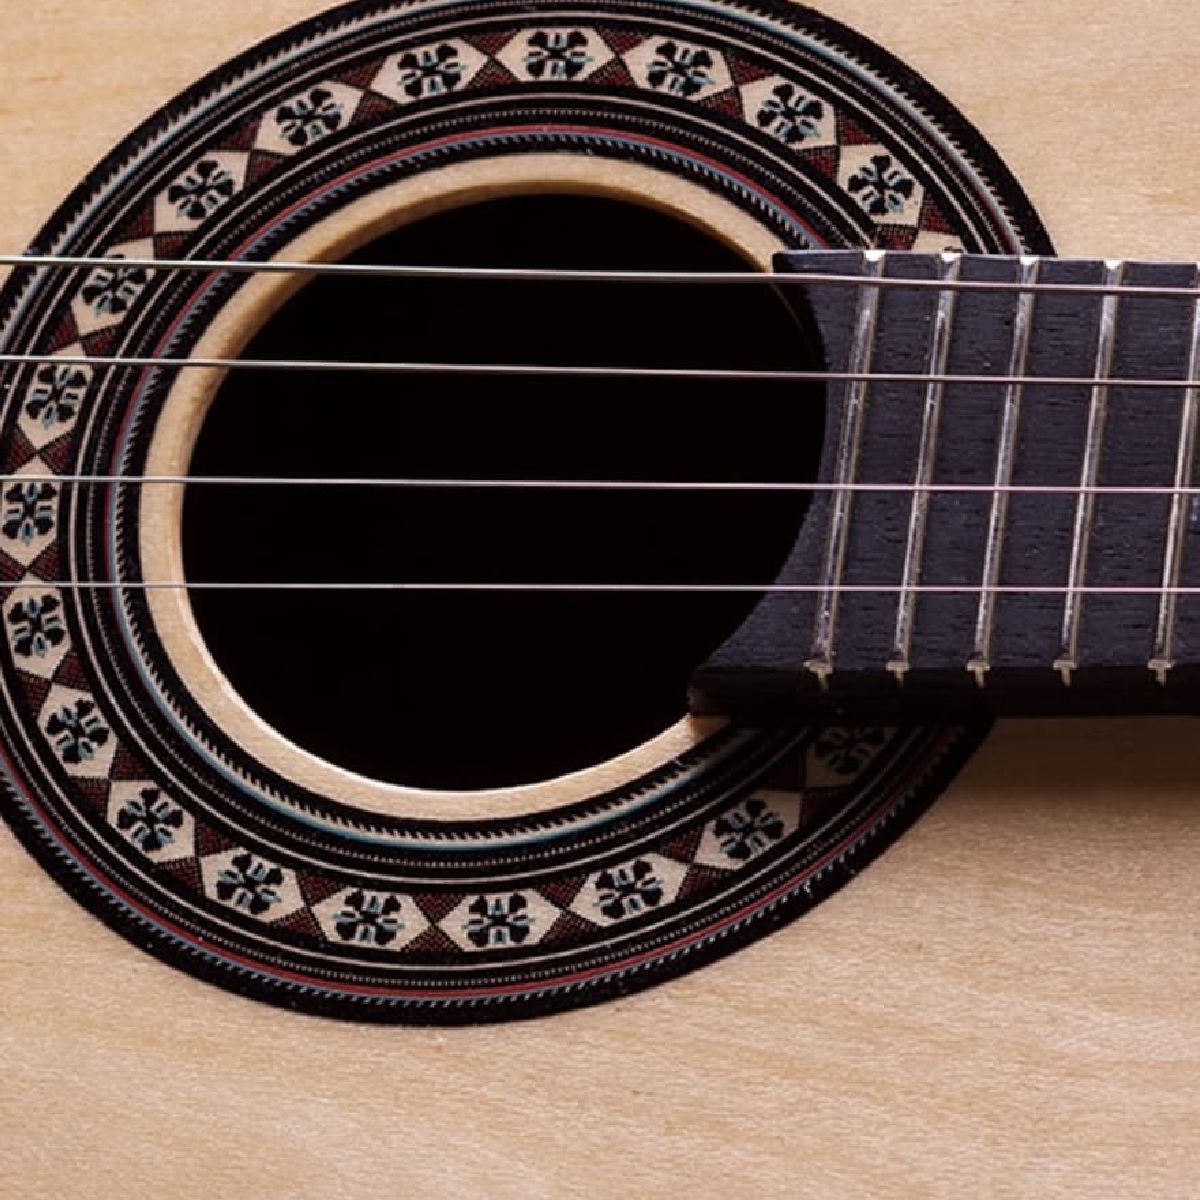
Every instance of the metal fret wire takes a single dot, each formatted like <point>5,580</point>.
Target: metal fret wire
<point>979,663</point>
<point>820,659</point>
<point>931,418</point>
<point>1085,505</point>
<point>1162,660</point>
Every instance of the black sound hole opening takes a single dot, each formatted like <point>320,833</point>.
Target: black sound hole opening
<point>463,691</point>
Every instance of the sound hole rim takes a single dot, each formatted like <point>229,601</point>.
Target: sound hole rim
<point>228,331</point>
<point>509,730</point>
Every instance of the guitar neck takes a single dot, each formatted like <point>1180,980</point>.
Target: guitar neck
<point>1006,521</point>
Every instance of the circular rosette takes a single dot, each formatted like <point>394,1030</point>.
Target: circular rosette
<point>773,125</point>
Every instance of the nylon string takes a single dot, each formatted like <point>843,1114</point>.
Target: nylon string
<point>555,275</point>
<point>518,274</point>
<point>693,374</point>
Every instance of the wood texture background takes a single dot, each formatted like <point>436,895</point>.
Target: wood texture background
<point>1005,1005</point>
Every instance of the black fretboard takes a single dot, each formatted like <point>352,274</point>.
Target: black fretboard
<point>1010,525</point>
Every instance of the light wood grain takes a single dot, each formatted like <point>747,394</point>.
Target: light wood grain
<point>1005,1005</point>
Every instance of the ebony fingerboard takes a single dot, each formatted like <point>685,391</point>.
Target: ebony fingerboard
<point>1043,553</point>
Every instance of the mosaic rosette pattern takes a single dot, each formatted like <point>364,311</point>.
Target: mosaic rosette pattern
<point>118,781</point>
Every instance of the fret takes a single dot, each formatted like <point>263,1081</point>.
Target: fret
<point>980,661</point>
<point>1084,568</point>
<point>820,660</point>
<point>1068,657</point>
<point>1162,657</point>
<point>943,323</point>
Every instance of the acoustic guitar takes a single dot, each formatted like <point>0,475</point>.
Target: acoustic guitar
<point>543,933</point>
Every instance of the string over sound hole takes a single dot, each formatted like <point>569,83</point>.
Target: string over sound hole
<point>455,690</point>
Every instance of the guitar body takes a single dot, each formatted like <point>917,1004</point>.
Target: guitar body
<point>1005,1003</point>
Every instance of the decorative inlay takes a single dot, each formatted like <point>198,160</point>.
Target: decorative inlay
<point>108,293</point>
<point>204,188</point>
<point>152,821</point>
<point>369,918</point>
<point>569,55</point>
<point>749,829</point>
<point>429,72</point>
<point>308,118</point>
<point>790,113</point>
<point>78,732</point>
<point>29,512</point>
<point>685,70</point>
<point>36,628</point>
<point>887,190</point>
<point>251,884</point>
<point>54,398</point>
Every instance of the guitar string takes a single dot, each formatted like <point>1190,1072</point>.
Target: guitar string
<point>630,485</point>
<point>597,485</point>
<point>555,275</point>
<point>576,276</point>
<point>384,585</point>
<point>691,374</point>
<point>603,485</point>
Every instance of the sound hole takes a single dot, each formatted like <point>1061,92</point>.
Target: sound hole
<point>460,690</point>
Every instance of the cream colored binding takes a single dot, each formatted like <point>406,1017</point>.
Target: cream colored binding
<point>180,425</point>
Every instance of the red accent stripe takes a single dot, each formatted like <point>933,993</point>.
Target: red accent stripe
<point>444,993</point>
